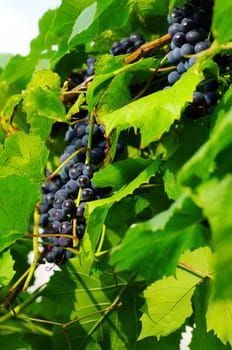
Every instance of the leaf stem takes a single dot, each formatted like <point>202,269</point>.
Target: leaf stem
<point>199,273</point>
<point>35,249</point>
<point>48,178</point>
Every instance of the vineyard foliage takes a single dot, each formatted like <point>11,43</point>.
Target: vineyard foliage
<point>156,252</point>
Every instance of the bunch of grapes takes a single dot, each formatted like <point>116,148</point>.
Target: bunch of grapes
<point>64,197</point>
<point>127,45</point>
<point>189,28</point>
<point>76,78</point>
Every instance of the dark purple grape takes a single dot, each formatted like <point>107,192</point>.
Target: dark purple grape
<point>65,241</point>
<point>211,98</point>
<point>83,181</point>
<point>58,202</point>
<point>62,193</point>
<point>186,49</point>
<point>181,68</point>
<point>84,140</point>
<point>43,220</point>
<point>54,226</point>
<point>198,98</point>
<point>192,37</point>
<point>76,170</point>
<point>178,39</point>
<point>87,194</point>
<point>174,28</point>
<point>65,227</point>
<point>200,46</point>
<point>80,129</point>
<point>171,58</point>
<point>80,210</point>
<point>71,186</point>
<point>173,77</point>
<point>69,206</point>
<point>56,214</point>
<point>134,37</point>
<point>70,134</point>
<point>175,16</point>
<point>68,254</point>
<point>187,10</point>
<point>192,61</point>
<point>187,25</point>
<point>177,54</point>
<point>44,207</point>
<point>80,230</point>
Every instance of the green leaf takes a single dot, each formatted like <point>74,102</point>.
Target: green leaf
<point>222,30</point>
<point>110,89</point>
<point>153,247</point>
<point>18,71</point>
<point>42,100</point>
<point>6,268</point>
<point>97,210</point>
<point>214,197</point>
<point>4,59</point>
<point>18,196</point>
<point>164,343</point>
<point>168,301</point>
<point>154,114</point>
<point>88,297</point>
<point>102,20</point>
<point>219,320</point>
<point>120,173</point>
<point>201,338</point>
<point>84,20</point>
<point>24,154</point>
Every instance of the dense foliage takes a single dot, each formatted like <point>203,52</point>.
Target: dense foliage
<point>116,178</point>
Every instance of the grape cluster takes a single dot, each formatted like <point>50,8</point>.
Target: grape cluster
<point>189,28</point>
<point>64,197</point>
<point>76,78</point>
<point>127,45</point>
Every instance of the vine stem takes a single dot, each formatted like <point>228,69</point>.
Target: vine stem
<point>115,303</point>
<point>20,307</point>
<point>89,145</point>
<point>199,273</point>
<point>35,249</point>
<point>48,178</point>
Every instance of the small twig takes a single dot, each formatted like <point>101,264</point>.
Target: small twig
<point>147,48</point>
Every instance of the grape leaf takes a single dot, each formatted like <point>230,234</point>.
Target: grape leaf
<point>219,320</point>
<point>25,155</point>
<point>42,99</point>
<point>97,210</point>
<point>201,338</point>
<point>110,89</point>
<point>6,268</point>
<point>153,114</point>
<point>84,20</point>
<point>102,20</point>
<point>222,29</point>
<point>164,343</point>
<point>119,173</point>
<point>18,196</point>
<point>153,247</point>
<point>18,71</point>
<point>86,295</point>
<point>214,197</point>
<point>168,301</point>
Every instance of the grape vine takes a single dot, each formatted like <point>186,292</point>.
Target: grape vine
<point>116,179</point>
